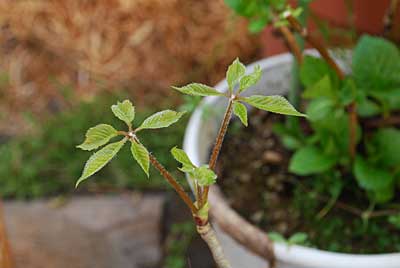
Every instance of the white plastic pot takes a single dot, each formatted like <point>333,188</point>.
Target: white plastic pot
<point>199,138</point>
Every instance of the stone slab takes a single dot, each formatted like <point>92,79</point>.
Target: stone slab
<point>86,232</point>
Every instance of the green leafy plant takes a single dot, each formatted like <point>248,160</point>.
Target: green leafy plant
<point>297,238</point>
<point>202,177</point>
<point>349,146</point>
<point>178,241</point>
<point>373,91</point>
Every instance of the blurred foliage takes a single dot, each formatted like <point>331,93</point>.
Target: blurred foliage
<point>366,182</point>
<point>373,88</point>
<point>260,13</point>
<point>48,163</point>
<point>178,241</point>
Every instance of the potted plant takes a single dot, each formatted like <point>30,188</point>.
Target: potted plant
<point>202,176</point>
<point>346,153</point>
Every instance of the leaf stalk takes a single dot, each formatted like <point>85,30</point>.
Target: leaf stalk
<point>218,144</point>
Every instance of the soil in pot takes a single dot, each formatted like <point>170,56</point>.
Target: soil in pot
<point>253,174</point>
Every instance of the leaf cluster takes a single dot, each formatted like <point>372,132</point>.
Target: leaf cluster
<point>374,87</point>
<point>299,238</point>
<point>260,13</point>
<point>239,80</point>
<point>102,134</point>
<point>203,175</point>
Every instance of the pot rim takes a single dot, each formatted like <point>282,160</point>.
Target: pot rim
<point>294,253</point>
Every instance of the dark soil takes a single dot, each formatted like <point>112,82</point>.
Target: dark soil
<point>253,174</point>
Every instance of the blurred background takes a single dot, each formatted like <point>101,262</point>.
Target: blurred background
<point>63,63</point>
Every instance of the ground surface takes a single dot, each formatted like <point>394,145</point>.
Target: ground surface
<point>86,232</point>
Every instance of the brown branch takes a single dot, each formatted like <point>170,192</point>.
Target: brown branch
<point>174,183</point>
<point>358,212</point>
<point>353,121</point>
<point>383,213</point>
<point>208,235</point>
<point>382,122</point>
<point>353,118</point>
<point>388,19</point>
<point>238,228</point>
<point>291,41</point>
<point>218,145</point>
<point>296,25</point>
<point>346,207</point>
<point>6,260</point>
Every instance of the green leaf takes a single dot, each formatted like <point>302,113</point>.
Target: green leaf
<point>319,109</point>
<point>310,160</point>
<point>274,104</point>
<point>313,70</point>
<point>161,119</point>
<point>387,142</point>
<point>197,89</point>
<point>332,123</point>
<point>381,196</point>
<point>204,175</point>
<point>370,177</point>
<point>250,79</point>
<point>389,97</point>
<point>187,169</point>
<point>98,136</point>
<point>276,237</point>
<point>281,23</point>
<point>99,159</point>
<point>298,238</point>
<point>235,71</point>
<point>258,24</point>
<point>240,111</point>
<point>291,142</point>
<point>290,139</point>
<point>141,155</point>
<point>348,92</point>
<point>367,108</point>
<point>376,64</point>
<point>181,156</point>
<point>322,88</point>
<point>124,111</point>
<point>244,8</point>
<point>395,220</point>
<point>297,12</point>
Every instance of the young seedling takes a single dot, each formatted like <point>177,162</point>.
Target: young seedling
<point>202,177</point>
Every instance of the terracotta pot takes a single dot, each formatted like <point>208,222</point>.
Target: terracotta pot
<point>245,245</point>
<point>368,18</point>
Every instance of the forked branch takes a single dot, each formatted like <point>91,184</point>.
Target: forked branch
<point>208,235</point>
<point>314,42</point>
<point>353,118</point>
<point>218,144</point>
<point>174,183</point>
<point>291,41</point>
